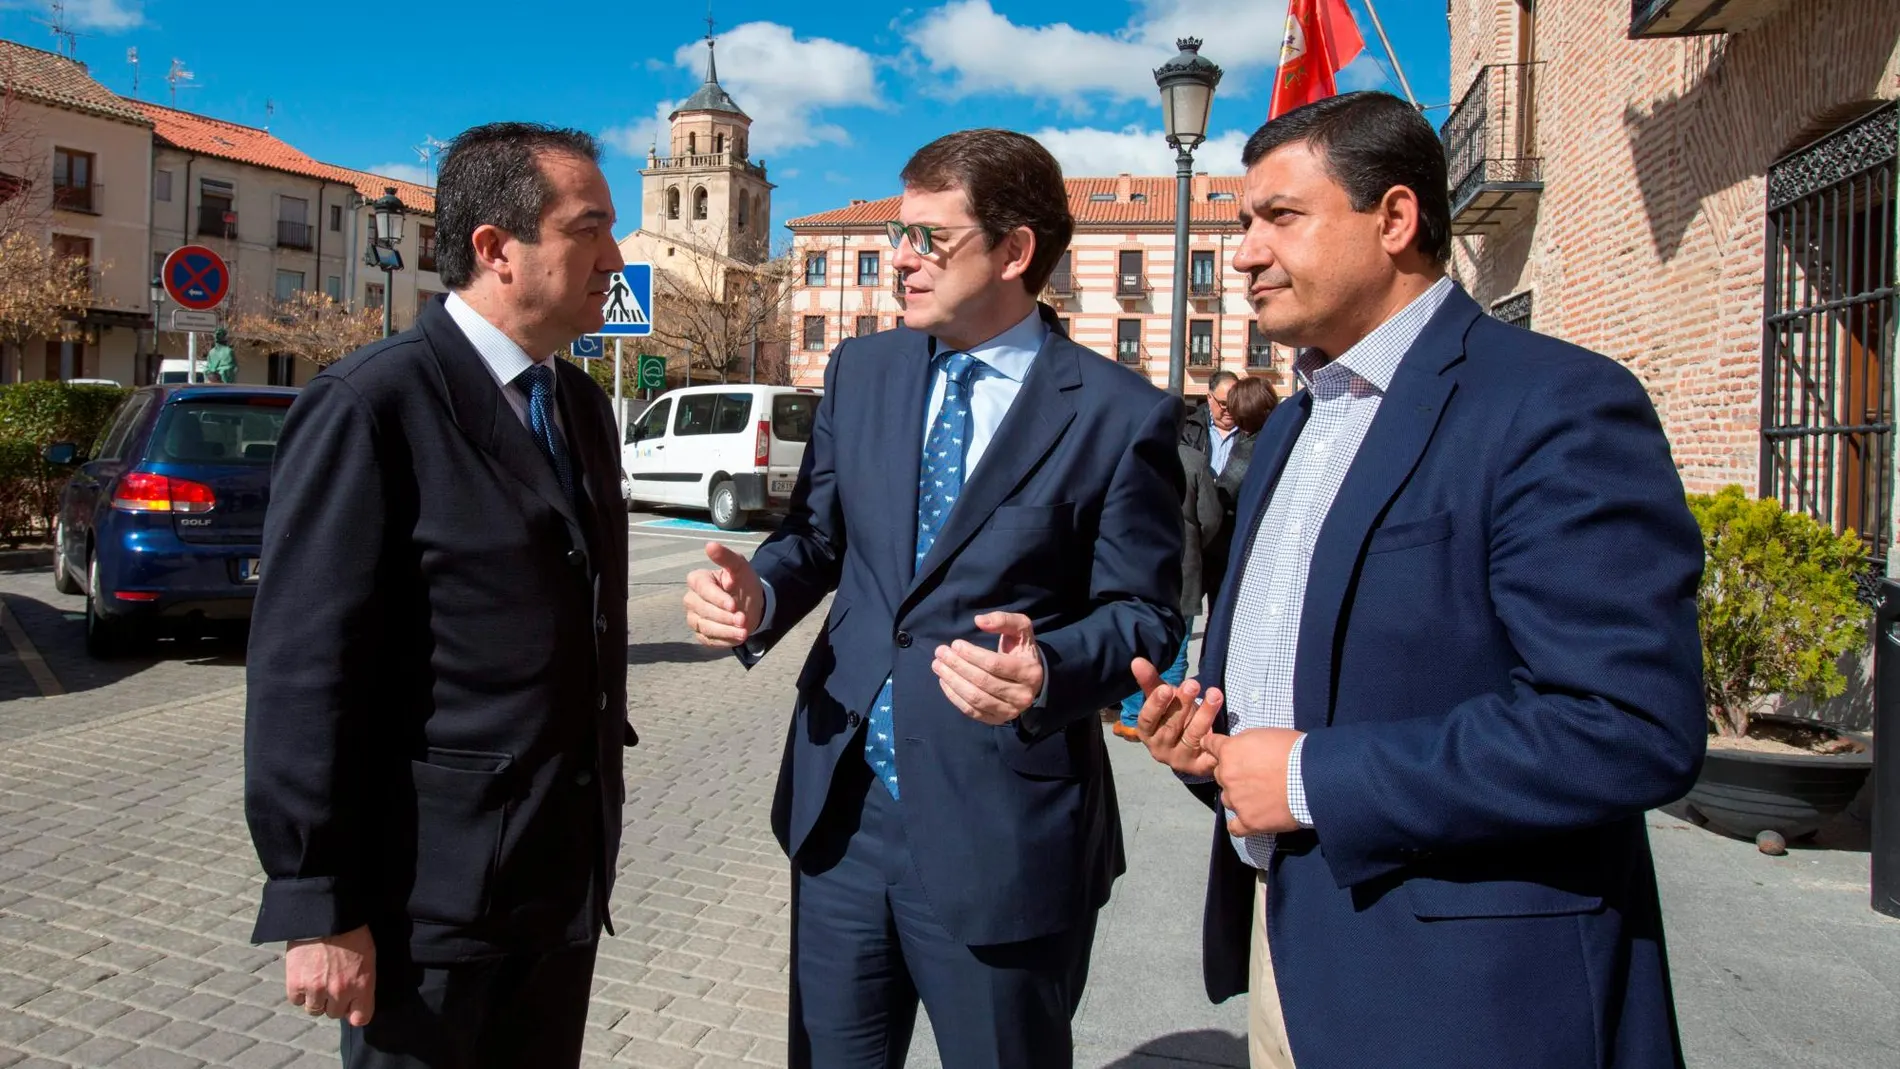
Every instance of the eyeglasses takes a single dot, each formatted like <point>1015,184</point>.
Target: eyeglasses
<point>920,236</point>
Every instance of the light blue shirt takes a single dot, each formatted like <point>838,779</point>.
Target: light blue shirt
<point>1220,445</point>
<point>1005,361</point>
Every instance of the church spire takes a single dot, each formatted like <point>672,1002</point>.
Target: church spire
<point>712,61</point>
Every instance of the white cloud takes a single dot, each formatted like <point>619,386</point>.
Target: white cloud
<point>1365,73</point>
<point>402,172</point>
<point>636,137</point>
<point>1086,151</point>
<point>784,82</point>
<point>110,15</point>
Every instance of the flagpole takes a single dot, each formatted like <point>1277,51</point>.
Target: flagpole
<point>1389,54</point>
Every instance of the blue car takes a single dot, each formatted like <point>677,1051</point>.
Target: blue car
<point>160,525</point>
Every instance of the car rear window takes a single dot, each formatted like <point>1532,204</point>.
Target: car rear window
<point>233,431</point>
<point>791,416</point>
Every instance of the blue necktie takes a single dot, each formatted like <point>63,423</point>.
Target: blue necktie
<point>940,479</point>
<point>538,383</point>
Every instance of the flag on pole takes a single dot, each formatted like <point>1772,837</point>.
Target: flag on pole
<point>1321,38</point>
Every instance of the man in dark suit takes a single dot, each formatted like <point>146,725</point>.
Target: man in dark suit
<point>438,657</point>
<point>1457,658</point>
<point>998,510</point>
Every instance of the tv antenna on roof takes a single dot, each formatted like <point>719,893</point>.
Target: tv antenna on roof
<point>63,32</point>
<point>179,78</point>
<point>132,57</point>
<point>427,153</point>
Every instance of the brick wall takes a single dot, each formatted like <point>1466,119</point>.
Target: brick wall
<point>1648,241</point>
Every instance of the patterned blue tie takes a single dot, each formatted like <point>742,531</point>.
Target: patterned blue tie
<point>940,479</point>
<point>538,383</point>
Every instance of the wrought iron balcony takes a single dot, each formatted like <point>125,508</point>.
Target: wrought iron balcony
<point>292,235</point>
<point>1201,355</point>
<point>1203,288</point>
<point>1128,352</point>
<point>1689,18</point>
<point>1062,284</point>
<point>1130,286</point>
<point>71,198</point>
<point>216,222</point>
<point>1491,157</point>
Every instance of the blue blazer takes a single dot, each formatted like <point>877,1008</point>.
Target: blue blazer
<point>1072,518</point>
<point>1500,671</point>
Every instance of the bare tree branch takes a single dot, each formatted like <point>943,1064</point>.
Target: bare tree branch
<point>308,325</point>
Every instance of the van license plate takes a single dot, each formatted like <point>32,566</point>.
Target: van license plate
<point>249,569</point>
<point>781,485</point>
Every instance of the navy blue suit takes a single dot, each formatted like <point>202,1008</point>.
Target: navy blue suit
<point>1500,672</point>
<point>1072,518</point>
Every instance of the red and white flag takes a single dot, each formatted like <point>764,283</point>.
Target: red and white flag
<point>1321,38</point>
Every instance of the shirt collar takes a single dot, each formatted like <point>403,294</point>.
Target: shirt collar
<point>1376,358</point>
<point>504,359</point>
<point>1223,435</point>
<point>1011,352</point>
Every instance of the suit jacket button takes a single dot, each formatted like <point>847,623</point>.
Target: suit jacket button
<point>576,557</point>
<point>851,719</point>
<point>583,778</point>
<point>600,701</point>
<point>903,640</point>
<point>600,623</point>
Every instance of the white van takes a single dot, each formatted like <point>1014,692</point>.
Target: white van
<point>731,450</point>
<point>173,370</point>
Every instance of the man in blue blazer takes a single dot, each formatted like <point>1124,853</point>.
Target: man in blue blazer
<point>1457,658</point>
<point>998,511</point>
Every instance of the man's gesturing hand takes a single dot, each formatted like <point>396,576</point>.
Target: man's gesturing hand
<point>334,976</point>
<point>724,603</point>
<point>1251,768</point>
<point>1172,724</point>
<point>994,687</point>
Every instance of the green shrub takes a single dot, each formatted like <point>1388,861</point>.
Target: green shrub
<point>34,415</point>
<point>1777,606</point>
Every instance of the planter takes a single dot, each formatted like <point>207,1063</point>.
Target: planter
<point>1745,792</point>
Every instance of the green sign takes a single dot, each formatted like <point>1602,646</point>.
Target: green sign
<point>652,372</point>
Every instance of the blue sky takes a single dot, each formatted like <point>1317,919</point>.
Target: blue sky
<point>840,93</point>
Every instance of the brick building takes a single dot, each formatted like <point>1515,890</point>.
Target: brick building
<point>1114,288</point>
<point>1706,192</point>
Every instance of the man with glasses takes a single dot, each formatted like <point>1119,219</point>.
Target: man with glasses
<point>997,510</point>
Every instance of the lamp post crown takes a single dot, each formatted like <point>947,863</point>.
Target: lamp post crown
<point>1187,93</point>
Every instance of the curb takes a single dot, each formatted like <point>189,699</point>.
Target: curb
<point>19,560</point>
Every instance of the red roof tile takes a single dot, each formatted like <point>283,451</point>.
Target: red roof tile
<point>260,148</point>
<point>50,78</point>
<point>1151,204</point>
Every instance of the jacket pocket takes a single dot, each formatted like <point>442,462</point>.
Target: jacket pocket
<point>1044,758</point>
<point>1032,517</point>
<point>461,811</point>
<point>1434,899</point>
<point>1413,533</point>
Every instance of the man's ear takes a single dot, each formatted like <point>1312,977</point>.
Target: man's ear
<point>492,248</point>
<point>1019,245</point>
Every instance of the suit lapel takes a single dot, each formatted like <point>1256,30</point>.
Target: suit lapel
<point>1395,443</point>
<point>896,449</point>
<point>484,415</point>
<point>1035,421</point>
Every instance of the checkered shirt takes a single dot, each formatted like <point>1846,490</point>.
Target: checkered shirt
<point>1263,646</point>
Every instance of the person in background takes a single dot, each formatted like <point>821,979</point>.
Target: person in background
<point>1194,429</point>
<point>1200,524</point>
<point>1241,407</point>
<point>220,362</point>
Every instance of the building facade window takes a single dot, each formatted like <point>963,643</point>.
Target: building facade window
<point>814,332</point>
<point>1201,274</point>
<point>333,288</point>
<point>1128,341</point>
<point>868,265</point>
<point>1128,272</point>
<point>373,295</point>
<point>217,214</point>
<point>425,248</point>
<point>1514,310</point>
<point>1062,279</point>
<point>866,326</point>
<point>1201,343</point>
<point>283,370</point>
<point>162,186</point>
<point>336,218</point>
<point>699,203</point>
<point>293,223</point>
<point>289,284</point>
<point>815,268</point>
<point>692,144</point>
<point>673,203</point>
<point>1259,350</point>
<point>73,180</point>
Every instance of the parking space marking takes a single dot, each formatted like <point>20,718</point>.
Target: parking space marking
<point>29,655</point>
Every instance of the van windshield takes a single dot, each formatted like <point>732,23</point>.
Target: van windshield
<point>792,415</point>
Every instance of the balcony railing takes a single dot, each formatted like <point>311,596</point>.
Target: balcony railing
<point>1130,286</point>
<point>69,198</point>
<point>1201,355</point>
<point>292,235</point>
<point>1128,352</point>
<point>1260,355</point>
<point>1491,155</point>
<point>1689,18</point>
<point>1203,287</point>
<point>217,222</point>
<point>1062,284</point>
<point>700,161</point>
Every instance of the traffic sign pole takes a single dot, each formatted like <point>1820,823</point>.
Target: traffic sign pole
<point>191,354</point>
<point>620,408</point>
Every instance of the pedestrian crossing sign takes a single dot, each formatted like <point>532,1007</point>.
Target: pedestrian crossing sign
<point>629,308</point>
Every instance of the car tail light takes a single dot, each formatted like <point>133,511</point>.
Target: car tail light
<point>762,453</point>
<point>143,491</point>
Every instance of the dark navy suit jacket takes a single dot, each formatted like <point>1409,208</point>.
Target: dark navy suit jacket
<point>1500,671</point>
<point>1073,519</point>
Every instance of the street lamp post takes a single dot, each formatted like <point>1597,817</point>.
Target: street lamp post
<point>385,233</point>
<point>1187,93</point>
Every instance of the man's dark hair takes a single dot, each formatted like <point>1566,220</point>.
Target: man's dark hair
<point>491,176</point>
<point>1011,181</point>
<point>1371,142</point>
<point>1219,379</point>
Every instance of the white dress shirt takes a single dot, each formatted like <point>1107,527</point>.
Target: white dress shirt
<point>1220,445</point>
<point>1263,644</point>
<point>504,359</point>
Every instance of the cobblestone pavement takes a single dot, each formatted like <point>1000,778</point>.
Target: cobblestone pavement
<point>127,882</point>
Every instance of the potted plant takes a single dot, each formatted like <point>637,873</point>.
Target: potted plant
<point>1777,608</point>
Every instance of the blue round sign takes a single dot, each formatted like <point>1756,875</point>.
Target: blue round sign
<point>196,277</point>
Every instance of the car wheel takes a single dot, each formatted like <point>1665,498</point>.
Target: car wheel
<point>62,579</point>
<point>726,513</point>
<point>106,636</point>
